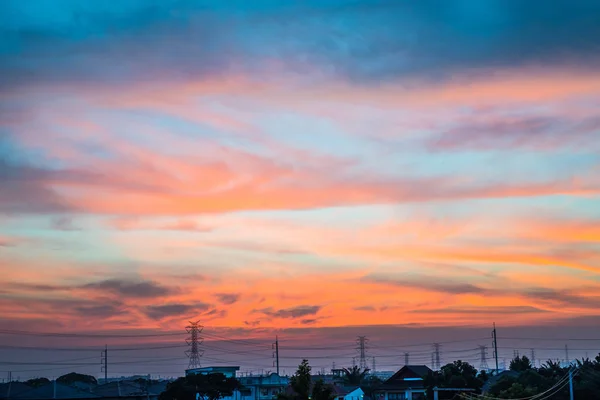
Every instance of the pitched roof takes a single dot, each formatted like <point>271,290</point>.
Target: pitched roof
<point>13,389</point>
<point>53,390</point>
<point>493,379</point>
<point>120,389</point>
<point>420,370</point>
<point>343,390</point>
<point>397,382</point>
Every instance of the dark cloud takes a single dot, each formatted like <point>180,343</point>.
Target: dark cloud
<point>309,321</point>
<point>506,132</point>
<point>481,310</point>
<point>364,308</point>
<point>425,283</point>
<point>128,288</point>
<point>252,323</point>
<point>24,190</point>
<point>100,310</point>
<point>562,298</point>
<point>370,40</point>
<point>174,310</point>
<point>228,298</point>
<point>293,312</point>
<point>63,223</point>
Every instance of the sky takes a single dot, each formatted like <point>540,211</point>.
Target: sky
<point>309,169</point>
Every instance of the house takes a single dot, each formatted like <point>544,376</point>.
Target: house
<point>52,390</point>
<point>263,387</point>
<point>408,383</point>
<point>348,393</point>
<point>13,389</point>
<point>229,372</point>
<point>130,390</point>
<point>124,390</point>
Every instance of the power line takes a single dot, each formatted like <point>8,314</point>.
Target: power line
<point>79,335</point>
<point>89,349</point>
<point>550,339</point>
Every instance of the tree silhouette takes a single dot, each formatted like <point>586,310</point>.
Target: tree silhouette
<point>321,391</point>
<point>520,364</point>
<point>212,386</point>
<point>354,376</point>
<point>300,381</point>
<point>37,382</point>
<point>70,378</point>
<point>458,374</point>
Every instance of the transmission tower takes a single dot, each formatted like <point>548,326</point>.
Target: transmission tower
<point>533,358</point>
<point>436,351</point>
<point>515,353</point>
<point>194,341</point>
<point>361,341</point>
<point>406,357</point>
<point>483,365</point>
<point>373,369</point>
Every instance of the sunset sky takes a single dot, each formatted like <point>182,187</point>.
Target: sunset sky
<point>299,166</point>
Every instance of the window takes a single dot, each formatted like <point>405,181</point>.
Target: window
<point>396,396</point>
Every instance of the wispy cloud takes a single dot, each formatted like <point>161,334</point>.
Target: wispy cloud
<point>292,312</point>
<point>174,310</point>
<point>228,298</point>
<point>131,288</point>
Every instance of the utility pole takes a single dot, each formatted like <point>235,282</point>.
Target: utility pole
<point>276,354</point>
<point>406,357</point>
<point>571,383</point>
<point>104,363</point>
<point>194,353</point>
<point>148,388</point>
<point>495,347</point>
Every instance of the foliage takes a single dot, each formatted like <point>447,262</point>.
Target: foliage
<point>300,381</point>
<point>37,382</point>
<point>354,376</point>
<point>533,381</point>
<point>458,374</point>
<point>520,364</point>
<point>73,377</point>
<point>211,386</point>
<point>321,391</point>
<point>370,384</point>
<point>483,376</point>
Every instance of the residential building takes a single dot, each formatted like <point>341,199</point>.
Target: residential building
<point>126,390</point>
<point>406,384</point>
<point>229,372</point>
<point>263,387</point>
<point>348,393</point>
